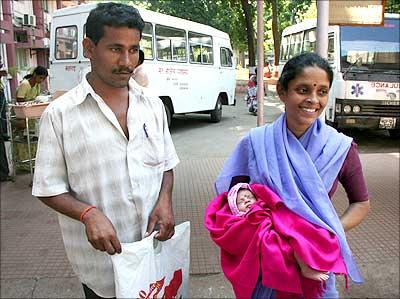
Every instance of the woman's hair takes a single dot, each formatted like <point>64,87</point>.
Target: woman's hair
<point>297,64</point>
<point>38,71</point>
<point>113,15</point>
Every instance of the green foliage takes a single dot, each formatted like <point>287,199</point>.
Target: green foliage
<point>220,14</point>
<point>392,6</point>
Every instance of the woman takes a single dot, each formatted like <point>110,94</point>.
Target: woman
<point>29,87</point>
<point>302,160</point>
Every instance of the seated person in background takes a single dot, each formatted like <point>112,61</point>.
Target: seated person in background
<point>139,74</point>
<point>29,88</point>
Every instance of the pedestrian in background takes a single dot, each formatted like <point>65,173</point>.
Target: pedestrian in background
<point>139,74</point>
<point>105,157</point>
<point>302,159</point>
<point>4,169</point>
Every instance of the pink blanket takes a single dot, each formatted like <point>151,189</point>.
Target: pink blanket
<point>265,239</point>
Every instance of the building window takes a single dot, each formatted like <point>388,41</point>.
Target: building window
<point>45,5</point>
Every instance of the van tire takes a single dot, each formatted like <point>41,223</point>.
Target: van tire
<point>216,114</point>
<point>169,115</point>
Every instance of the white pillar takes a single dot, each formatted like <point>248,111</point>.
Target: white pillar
<point>322,27</point>
<point>260,62</point>
<point>322,33</point>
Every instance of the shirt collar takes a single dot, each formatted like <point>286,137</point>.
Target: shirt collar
<point>84,89</point>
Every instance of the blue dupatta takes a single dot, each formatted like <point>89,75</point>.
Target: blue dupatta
<point>301,171</point>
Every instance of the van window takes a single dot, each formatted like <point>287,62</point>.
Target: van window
<point>285,48</point>
<point>310,40</point>
<point>295,44</point>
<point>331,49</point>
<point>146,44</point>
<point>171,44</point>
<point>226,57</point>
<point>66,42</point>
<point>201,48</point>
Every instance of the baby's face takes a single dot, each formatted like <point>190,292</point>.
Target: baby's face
<point>245,200</point>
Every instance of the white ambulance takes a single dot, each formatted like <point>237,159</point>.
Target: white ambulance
<point>366,63</point>
<point>190,65</point>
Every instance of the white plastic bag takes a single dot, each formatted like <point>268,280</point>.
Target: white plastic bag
<point>153,269</point>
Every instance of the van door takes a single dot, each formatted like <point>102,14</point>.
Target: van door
<point>227,72</point>
<point>67,63</point>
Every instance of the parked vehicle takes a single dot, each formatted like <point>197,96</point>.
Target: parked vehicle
<point>366,64</point>
<point>189,65</point>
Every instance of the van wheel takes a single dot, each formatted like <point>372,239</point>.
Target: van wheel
<point>216,114</point>
<point>169,115</point>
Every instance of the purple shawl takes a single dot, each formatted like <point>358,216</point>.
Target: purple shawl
<point>301,171</point>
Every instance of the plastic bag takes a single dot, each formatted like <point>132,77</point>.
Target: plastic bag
<point>153,269</point>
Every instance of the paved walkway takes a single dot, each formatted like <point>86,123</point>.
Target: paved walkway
<point>34,264</point>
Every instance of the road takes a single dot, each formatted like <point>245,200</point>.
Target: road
<point>194,135</point>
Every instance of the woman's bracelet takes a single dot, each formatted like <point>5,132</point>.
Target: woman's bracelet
<point>85,211</point>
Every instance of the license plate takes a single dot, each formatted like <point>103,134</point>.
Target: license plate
<point>387,123</point>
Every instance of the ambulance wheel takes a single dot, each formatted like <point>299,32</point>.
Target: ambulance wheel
<point>169,115</point>
<point>216,114</point>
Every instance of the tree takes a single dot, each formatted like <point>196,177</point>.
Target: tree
<point>392,6</point>
<point>249,17</point>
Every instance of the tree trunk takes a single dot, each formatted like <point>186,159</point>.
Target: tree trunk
<point>250,32</point>
<point>276,36</point>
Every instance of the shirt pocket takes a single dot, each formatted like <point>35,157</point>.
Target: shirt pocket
<point>152,149</point>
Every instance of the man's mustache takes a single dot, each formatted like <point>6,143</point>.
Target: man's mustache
<point>122,71</point>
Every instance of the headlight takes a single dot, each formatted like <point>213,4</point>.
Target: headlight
<point>338,108</point>
<point>347,109</point>
<point>356,109</point>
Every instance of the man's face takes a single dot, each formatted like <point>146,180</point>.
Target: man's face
<point>115,56</point>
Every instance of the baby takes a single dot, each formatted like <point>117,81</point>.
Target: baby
<point>241,199</point>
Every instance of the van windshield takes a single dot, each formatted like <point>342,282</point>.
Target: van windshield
<point>371,48</point>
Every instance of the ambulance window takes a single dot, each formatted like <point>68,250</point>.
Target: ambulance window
<point>331,48</point>
<point>226,57</point>
<point>171,44</point>
<point>201,48</point>
<point>146,44</point>
<point>66,42</point>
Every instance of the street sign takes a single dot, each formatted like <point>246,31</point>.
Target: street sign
<point>365,12</point>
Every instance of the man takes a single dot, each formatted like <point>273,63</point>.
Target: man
<point>105,156</point>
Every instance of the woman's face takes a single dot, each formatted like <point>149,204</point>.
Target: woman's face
<point>39,78</point>
<point>305,99</point>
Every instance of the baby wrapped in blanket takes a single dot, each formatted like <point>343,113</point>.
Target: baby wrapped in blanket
<point>259,235</point>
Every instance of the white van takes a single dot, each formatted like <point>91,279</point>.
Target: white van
<point>189,65</point>
<point>366,63</point>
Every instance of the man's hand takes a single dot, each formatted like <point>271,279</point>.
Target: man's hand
<point>162,214</point>
<point>101,233</point>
